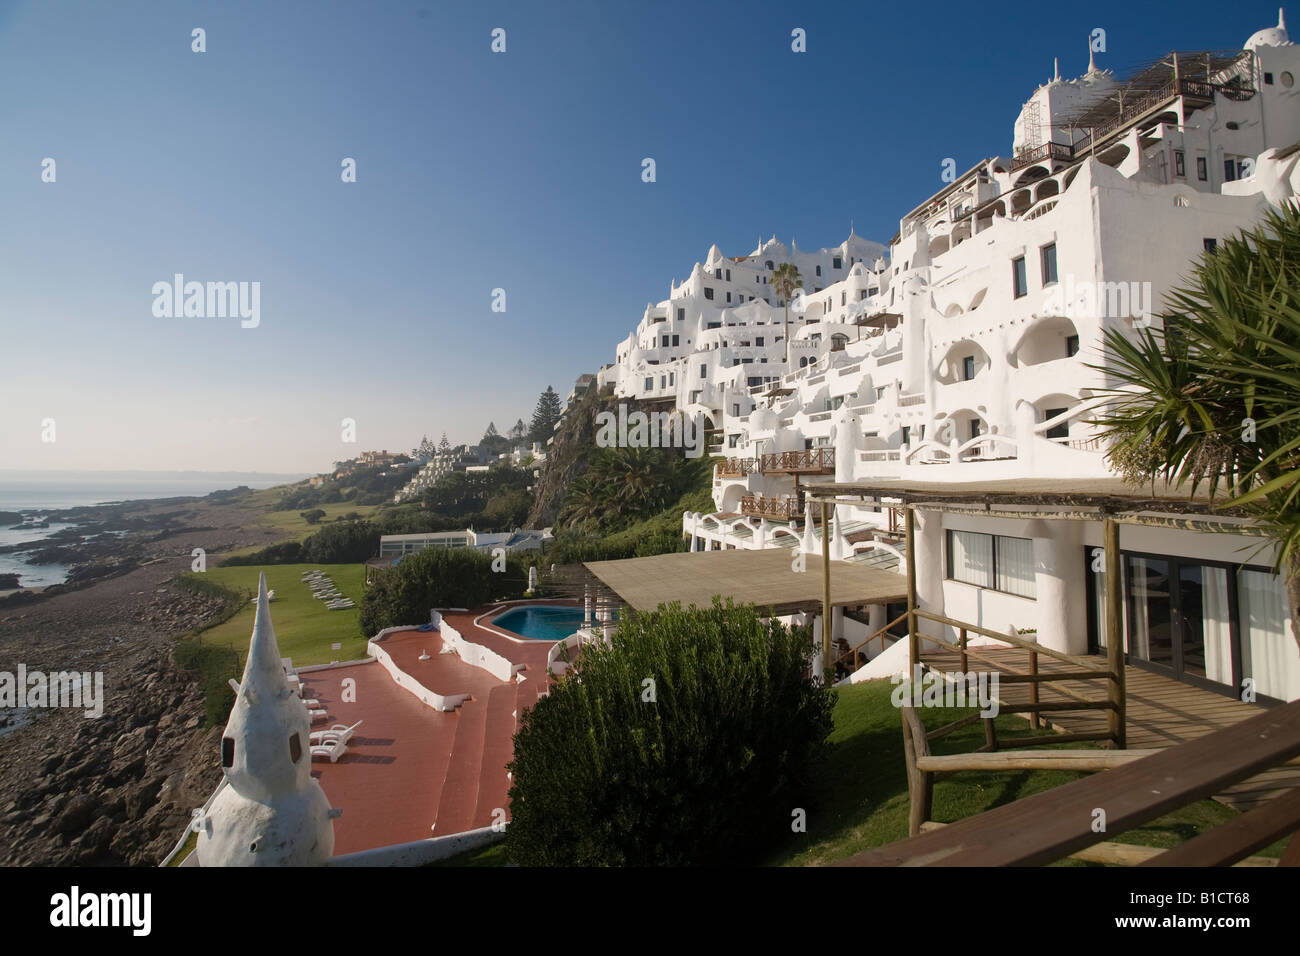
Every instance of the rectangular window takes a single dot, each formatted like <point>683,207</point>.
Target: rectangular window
<point>968,368</point>
<point>728,275</point>
<point>1268,79</point>
<point>970,558</point>
<point>664,340</point>
<point>681,315</point>
<point>837,263</point>
<point>974,428</point>
<point>997,562</point>
<point>819,270</point>
<point>1056,431</point>
<point>728,296</point>
<point>735,411</point>
<point>663,381</point>
<point>843,297</point>
<point>1071,345</point>
<point>708,293</point>
<point>1210,244</point>
<point>1202,169</point>
<point>758,340</point>
<point>1180,163</point>
<point>1048,256</point>
<point>649,383</point>
<point>1019,278</point>
<point>907,434</point>
<point>1229,170</point>
<point>704,371</point>
<point>677,340</point>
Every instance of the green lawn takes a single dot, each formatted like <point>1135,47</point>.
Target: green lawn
<point>304,627</point>
<point>293,523</point>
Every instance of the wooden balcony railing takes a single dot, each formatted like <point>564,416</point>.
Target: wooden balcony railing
<point>784,507</point>
<point>810,461</point>
<point>737,467</point>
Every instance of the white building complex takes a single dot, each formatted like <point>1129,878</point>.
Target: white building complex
<point>958,358</point>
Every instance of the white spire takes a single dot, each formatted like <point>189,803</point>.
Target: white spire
<point>1281,19</point>
<point>1092,65</point>
<point>273,813</point>
<point>1056,69</point>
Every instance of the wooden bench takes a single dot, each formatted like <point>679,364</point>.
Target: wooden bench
<point>923,768</point>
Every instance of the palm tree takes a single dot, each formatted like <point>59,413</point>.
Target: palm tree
<point>1212,399</point>
<point>785,279</point>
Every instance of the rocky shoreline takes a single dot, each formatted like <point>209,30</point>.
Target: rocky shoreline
<point>117,789</point>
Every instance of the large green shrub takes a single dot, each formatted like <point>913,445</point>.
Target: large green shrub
<point>438,577</point>
<point>707,772</point>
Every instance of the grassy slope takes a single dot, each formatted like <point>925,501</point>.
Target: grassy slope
<point>304,626</point>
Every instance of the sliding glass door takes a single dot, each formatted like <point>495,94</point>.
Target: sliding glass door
<point>1179,618</point>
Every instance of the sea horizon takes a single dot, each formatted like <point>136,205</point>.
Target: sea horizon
<point>32,490</point>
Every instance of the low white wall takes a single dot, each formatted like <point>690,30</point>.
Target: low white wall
<point>406,681</point>
<point>476,655</point>
<point>894,661</point>
<point>420,852</point>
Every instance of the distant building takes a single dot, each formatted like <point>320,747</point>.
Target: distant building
<point>394,547</point>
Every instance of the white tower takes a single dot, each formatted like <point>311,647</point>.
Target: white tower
<point>273,812</point>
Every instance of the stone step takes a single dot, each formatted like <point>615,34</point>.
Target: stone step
<point>498,747</point>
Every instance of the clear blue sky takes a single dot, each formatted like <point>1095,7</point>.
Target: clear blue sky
<point>475,171</point>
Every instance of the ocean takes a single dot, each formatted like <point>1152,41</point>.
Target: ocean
<point>28,491</point>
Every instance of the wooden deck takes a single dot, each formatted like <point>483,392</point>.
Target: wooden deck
<point>1162,712</point>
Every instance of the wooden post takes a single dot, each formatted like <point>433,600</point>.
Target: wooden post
<point>1034,720</point>
<point>1114,630</point>
<point>913,639</point>
<point>826,592</point>
<point>962,642</point>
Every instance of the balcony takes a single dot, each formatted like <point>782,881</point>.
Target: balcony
<point>783,508</point>
<point>810,461</point>
<point>737,467</point>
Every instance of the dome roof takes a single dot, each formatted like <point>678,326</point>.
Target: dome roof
<point>1272,36</point>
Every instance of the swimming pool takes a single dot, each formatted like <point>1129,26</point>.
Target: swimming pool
<point>541,622</point>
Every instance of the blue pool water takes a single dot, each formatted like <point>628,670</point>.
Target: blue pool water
<point>541,622</point>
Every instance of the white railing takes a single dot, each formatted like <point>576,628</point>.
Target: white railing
<point>404,680</point>
<point>894,455</point>
<point>977,446</point>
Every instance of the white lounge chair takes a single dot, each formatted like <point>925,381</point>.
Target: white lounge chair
<point>317,714</point>
<point>338,732</point>
<point>331,750</point>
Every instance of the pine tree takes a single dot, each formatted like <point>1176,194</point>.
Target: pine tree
<point>519,431</point>
<point>491,431</point>
<point>444,446</point>
<point>545,416</point>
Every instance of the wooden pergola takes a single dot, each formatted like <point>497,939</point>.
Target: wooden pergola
<point>1109,500</point>
<point>765,578</point>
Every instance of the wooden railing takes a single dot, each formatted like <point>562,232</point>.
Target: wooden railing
<point>763,506</point>
<point>1027,157</point>
<point>854,654</point>
<point>814,460</point>
<point>1088,670</point>
<point>1057,823</point>
<point>737,467</point>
